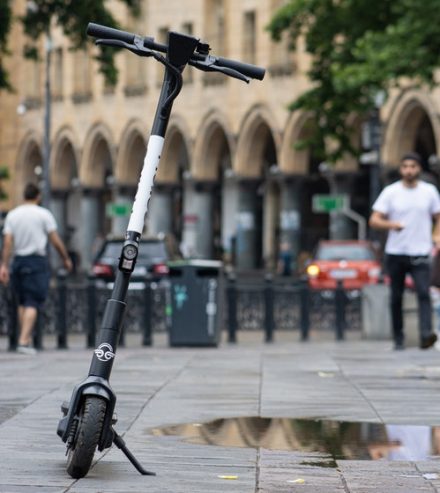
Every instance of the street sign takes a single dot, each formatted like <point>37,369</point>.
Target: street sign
<point>118,209</point>
<point>329,203</point>
<point>371,157</point>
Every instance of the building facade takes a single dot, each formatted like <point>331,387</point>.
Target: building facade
<point>231,183</point>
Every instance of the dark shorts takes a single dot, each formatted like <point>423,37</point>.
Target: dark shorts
<point>30,279</point>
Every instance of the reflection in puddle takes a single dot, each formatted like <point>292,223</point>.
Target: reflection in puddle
<point>340,440</point>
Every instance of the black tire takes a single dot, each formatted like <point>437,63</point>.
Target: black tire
<point>89,430</point>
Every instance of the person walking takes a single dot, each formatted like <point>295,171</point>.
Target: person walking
<point>406,209</point>
<point>285,260</point>
<point>26,232</point>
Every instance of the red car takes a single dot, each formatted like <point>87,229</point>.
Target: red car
<point>353,262</point>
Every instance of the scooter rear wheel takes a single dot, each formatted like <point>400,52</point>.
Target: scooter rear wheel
<point>89,430</point>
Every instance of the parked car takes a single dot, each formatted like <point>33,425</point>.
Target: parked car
<point>154,253</point>
<point>353,262</point>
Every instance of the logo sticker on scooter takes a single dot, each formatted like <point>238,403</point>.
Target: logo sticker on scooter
<point>104,352</point>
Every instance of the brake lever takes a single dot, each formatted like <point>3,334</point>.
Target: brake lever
<point>137,48</point>
<point>215,68</point>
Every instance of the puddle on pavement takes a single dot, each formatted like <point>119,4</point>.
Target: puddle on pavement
<point>337,439</point>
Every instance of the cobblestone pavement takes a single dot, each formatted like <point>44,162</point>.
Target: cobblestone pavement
<point>353,380</point>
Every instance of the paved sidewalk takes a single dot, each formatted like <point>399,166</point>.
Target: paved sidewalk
<point>353,381</point>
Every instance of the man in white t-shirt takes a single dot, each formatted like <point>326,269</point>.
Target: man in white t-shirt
<point>26,231</point>
<point>406,209</point>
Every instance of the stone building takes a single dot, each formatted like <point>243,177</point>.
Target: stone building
<point>231,183</point>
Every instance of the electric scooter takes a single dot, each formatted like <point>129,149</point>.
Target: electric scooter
<point>89,416</point>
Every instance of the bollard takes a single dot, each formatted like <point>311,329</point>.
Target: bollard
<point>91,311</point>
<point>231,293</point>
<point>61,321</point>
<point>38,331</point>
<point>269,321</point>
<point>304,297</point>
<point>340,305</point>
<point>13,319</point>
<point>147,314</point>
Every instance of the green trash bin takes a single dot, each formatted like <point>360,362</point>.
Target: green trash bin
<point>196,302</point>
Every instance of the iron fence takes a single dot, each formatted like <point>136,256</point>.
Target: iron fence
<point>260,304</point>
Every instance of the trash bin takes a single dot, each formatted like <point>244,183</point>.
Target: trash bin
<point>376,319</point>
<point>196,302</point>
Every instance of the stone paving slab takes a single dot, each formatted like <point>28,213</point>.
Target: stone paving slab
<point>353,380</point>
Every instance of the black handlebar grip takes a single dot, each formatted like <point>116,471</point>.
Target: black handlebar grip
<point>104,32</point>
<point>247,69</point>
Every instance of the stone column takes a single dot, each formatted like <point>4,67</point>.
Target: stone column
<point>290,220</point>
<point>160,210</point>
<point>89,226</point>
<point>197,220</point>
<point>341,227</point>
<point>59,210</point>
<point>122,196</point>
<point>248,229</point>
<point>230,198</point>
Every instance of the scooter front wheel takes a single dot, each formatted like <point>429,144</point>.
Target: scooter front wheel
<point>91,420</point>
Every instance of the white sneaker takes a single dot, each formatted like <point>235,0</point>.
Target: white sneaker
<point>26,349</point>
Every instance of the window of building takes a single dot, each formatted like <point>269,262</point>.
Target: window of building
<point>162,37</point>
<point>216,35</point>
<point>33,83</point>
<point>135,66</point>
<point>82,88</point>
<point>282,58</point>
<point>216,26</point>
<point>188,74</point>
<point>57,73</point>
<point>249,37</point>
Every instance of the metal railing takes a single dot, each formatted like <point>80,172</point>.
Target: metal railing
<point>276,304</point>
<point>265,304</point>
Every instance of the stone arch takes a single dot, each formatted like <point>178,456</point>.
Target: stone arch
<point>292,160</point>
<point>64,159</point>
<point>131,154</point>
<point>350,162</point>
<point>259,131</point>
<point>98,157</point>
<point>213,147</point>
<point>29,162</point>
<point>175,155</point>
<point>412,125</point>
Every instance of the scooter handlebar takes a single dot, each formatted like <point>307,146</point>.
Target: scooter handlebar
<point>104,32</point>
<point>247,69</point>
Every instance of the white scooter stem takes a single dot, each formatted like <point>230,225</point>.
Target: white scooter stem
<point>145,185</point>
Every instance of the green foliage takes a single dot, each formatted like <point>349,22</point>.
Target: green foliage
<point>358,48</point>
<point>4,175</point>
<point>5,25</point>
<point>72,16</point>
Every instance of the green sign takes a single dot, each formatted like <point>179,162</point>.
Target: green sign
<point>120,209</point>
<point>329,203</point>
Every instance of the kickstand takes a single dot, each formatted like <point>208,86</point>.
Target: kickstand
<point>119,442</point>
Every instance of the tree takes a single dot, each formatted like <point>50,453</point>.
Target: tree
<point>358,48</point>
<point>72,16</point>
<point>5,26</point>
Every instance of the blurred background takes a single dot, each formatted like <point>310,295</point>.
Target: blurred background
<point>239,176</point>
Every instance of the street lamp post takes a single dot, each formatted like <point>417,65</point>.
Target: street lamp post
<point>46,188</point>
<point>375,128</point>
<point>33,7</point>
<point>372,140</point>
